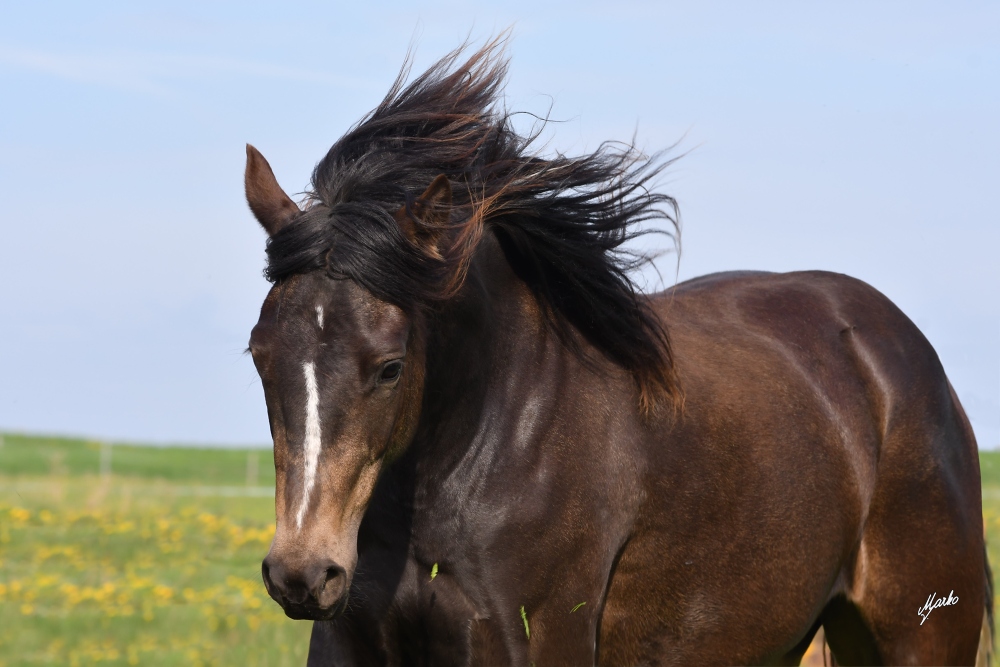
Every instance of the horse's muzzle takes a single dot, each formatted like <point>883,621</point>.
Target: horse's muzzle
<point>316,592</point>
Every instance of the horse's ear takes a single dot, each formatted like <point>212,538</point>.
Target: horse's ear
<point>425,221</point>
<point>269,203</point>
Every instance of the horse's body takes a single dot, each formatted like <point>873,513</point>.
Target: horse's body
<point>821,470</point>
<point>491,450</point>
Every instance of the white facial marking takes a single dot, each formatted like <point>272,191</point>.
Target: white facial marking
<point>312,441</point>
<point>319,316</point>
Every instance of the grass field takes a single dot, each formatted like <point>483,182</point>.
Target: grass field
<point>151,556</point>
<point>155,562</point>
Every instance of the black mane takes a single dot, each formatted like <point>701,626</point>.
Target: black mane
<point>561,221</point>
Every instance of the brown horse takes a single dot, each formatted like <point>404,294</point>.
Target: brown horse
<point>490,451</point>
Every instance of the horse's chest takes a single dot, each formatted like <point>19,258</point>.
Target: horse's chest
<point>434,622</point>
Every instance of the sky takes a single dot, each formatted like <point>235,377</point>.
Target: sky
<point>854,137</point>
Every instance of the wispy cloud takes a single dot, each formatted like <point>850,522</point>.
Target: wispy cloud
<point>156,74</point>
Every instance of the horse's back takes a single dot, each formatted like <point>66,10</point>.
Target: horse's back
<point>820,470</point>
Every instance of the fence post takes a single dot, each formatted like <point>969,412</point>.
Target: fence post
<point>252,467</point>
<point>105,460</point>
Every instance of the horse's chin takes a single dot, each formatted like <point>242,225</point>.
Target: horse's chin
<point>310,612</point>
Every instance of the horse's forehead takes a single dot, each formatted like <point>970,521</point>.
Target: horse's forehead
<point>298,295</point>
<point>329,304</point>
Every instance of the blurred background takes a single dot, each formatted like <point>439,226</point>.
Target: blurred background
<point>854,137</point>
<point>859,138</point>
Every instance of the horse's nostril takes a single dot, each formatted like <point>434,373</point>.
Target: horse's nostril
<point>265,572</point>
<point>281,586</point>
<point>332,587</point>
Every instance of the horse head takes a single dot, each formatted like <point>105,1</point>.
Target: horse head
<point>342,372</point>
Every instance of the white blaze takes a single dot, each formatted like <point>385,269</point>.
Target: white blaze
<point>312,441</point>
<point>319,316</point>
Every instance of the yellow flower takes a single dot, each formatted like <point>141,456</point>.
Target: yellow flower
<point>45,580</point>
<point>163,593</point>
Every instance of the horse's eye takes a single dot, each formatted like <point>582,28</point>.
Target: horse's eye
<point>390,372</point>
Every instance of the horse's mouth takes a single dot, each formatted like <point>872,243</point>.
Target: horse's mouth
<point>313,612</point>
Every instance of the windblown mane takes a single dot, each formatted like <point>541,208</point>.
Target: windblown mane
<point>561,221</point>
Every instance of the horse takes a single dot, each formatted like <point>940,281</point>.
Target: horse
<point>492,448</point>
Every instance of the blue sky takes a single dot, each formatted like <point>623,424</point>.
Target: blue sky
<point>856,137</point>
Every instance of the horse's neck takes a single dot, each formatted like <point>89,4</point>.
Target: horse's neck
<point>492,322</point>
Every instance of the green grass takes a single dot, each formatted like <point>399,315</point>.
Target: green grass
<point>31,455</point>
<point>136,567</point>
<point>989,464</point>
